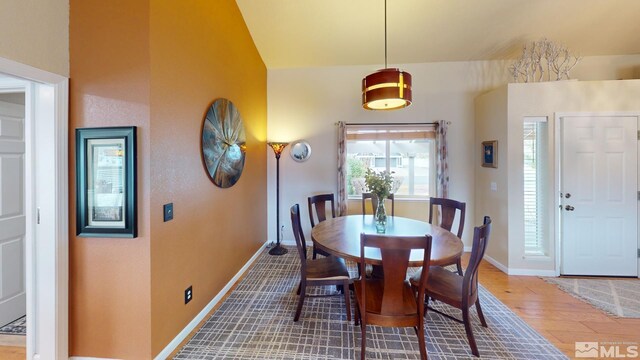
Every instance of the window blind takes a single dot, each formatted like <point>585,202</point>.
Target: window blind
<point>535,185</point>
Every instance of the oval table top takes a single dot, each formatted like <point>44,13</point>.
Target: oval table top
<point>340,236</point>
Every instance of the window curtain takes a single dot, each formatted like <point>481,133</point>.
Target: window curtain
<point>342,169</point>
<point>442,167</point>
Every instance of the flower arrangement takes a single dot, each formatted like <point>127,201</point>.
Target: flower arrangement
<point>379,183</point>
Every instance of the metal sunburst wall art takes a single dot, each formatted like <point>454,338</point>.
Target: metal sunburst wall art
<point>223,143</point>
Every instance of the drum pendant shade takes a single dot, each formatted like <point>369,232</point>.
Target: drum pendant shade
<point>386,89</point>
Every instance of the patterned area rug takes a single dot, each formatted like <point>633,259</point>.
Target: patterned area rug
<point>256,322</point>
<point>18,327</point>
<point>615,296</point>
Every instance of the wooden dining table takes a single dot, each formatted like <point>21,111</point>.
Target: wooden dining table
<point>340,236</point>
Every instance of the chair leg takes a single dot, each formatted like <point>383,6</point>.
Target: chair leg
<point>315,252</point>
<point>459,266</point>
<point>356,321</point>
<point>467,328</point>
<point>303,289</point>
<point>347,300</point>
<point>480,314</point>
<point>363,341</point>
<point>421,341</point>
<point>299,285</point>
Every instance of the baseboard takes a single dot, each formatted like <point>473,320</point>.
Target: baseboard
<point>289,242</point>
<point>520,272</point>
<point>496,263</point>
<point>196,320</point>
<point>532,272</point>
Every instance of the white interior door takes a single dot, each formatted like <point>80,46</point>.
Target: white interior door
<point>599,195</point>
<point>12,213</point>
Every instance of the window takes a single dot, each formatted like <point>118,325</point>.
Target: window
<point>407,151</point>
<point>535,185</point>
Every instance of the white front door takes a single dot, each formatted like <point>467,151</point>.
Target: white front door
<point>599,195</point>
<point>12,213</point>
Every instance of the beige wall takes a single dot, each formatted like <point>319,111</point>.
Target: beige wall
<point>546,100</point>
<point>36,33</point>
<point>305,103</point>
<point>491,124</point>
<point>535,99</point>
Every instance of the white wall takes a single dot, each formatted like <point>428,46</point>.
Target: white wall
<point>494,121</point>
<point>36,33</point>
<point>305,103</point>
<point>546,100</point>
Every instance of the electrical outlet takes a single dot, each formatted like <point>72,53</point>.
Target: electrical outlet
<point>188,294</point>
<point>168,211</point>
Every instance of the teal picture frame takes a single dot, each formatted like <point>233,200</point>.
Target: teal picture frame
<point>106,177</point>
<point>490,154</point>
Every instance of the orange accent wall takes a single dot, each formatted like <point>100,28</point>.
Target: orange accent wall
<point>109,279</point>
<point>159,65</point>
<point>199,53</point>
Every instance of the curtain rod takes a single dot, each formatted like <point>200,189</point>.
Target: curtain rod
<point>387,124</point>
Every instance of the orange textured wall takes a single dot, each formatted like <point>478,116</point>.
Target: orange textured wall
<point>200,52</point>
<point>109,285</point>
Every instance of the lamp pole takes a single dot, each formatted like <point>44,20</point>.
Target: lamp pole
<point>278,147</point>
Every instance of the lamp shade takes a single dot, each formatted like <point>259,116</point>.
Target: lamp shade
<point>386,89</point>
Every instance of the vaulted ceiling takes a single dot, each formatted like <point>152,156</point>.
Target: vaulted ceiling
<point>310,33</point>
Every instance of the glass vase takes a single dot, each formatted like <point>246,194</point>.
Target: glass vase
<point>381,217</point>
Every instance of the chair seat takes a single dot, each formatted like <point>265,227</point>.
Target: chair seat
<point>326,268</point>
<point>442,284</point>
<point>374,290</point>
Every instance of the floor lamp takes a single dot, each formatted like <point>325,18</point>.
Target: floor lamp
<point>277,149</point>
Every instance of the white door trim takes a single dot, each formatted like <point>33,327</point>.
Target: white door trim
<point>51,300</point>
<point>558,167</point>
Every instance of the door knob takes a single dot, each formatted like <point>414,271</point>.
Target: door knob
<point>569,208</point>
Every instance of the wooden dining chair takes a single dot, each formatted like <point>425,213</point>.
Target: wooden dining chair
<point>447,210</point>
<point>374,203</point>
<point>319,272</point>
<point>319,203</point>
<point>460,291</point>
<point>390,301</point>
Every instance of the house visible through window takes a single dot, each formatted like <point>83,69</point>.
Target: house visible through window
<point>407,151</point>
<point>535,185</point>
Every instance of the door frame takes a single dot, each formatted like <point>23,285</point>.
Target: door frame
<point>47,279</point>
<point>558,174</point>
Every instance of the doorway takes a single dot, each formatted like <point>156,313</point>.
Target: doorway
<point>598,190</point>
<point>45,207</point>
<point>13,302</point>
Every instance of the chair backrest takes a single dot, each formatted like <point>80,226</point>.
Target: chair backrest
<point>448,209</point>
<point>299,235</point>
<point>395,252</point>
<point>374,203</point>
<point>470,281</point>
<point>319,202</point>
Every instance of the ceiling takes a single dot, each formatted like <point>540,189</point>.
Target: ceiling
<point>311,33</point>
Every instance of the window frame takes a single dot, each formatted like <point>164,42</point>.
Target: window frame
<point>425,131</point>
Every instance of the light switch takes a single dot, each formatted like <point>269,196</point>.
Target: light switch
<point>494,186</point>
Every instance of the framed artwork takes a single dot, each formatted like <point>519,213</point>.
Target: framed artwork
<point>223,143</point>
<point>106,193</point>
<point>490,153</point>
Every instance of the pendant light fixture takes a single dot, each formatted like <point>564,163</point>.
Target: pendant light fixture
<point>388,88</point>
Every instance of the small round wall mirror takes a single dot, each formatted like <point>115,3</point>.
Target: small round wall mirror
<point>300,151</point>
